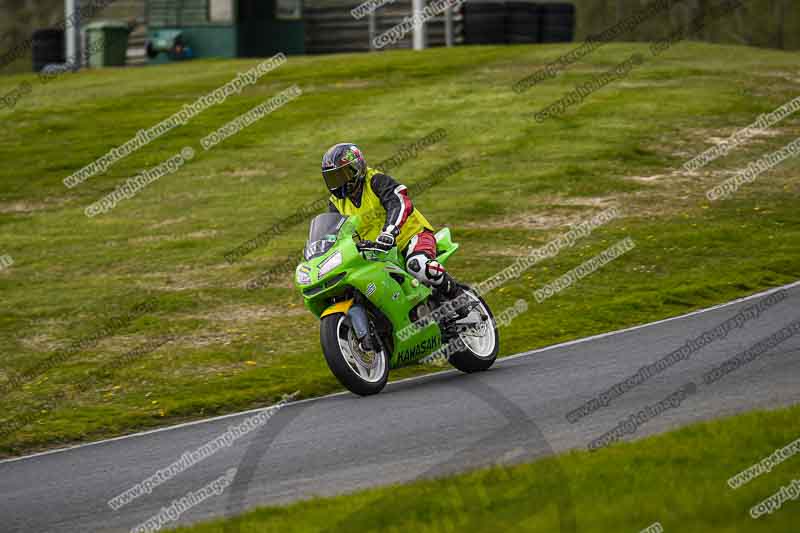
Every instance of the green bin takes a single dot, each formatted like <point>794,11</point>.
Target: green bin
<point>107,43</point>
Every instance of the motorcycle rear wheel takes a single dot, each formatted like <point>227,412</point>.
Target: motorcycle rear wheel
<point>480,351</point>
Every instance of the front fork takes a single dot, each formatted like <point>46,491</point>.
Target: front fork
<point>359,320</point>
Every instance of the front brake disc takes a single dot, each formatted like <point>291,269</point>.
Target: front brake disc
<point>368,360</point>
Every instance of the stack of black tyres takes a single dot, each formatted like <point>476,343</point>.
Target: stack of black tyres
<point>47,47</point>
<point>518,22</point>
<point>522,22</point>
<point>557,23</point>
<point>484,23</point>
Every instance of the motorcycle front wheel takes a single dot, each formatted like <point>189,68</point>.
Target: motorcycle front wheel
<point>361,372</point>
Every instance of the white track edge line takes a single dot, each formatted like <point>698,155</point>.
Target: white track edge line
<point>413,378</point>
<point>657,322</point>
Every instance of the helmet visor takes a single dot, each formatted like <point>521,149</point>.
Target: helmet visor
<point>336,178</point>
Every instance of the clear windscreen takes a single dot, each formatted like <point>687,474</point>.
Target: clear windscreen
<point>322,234</point>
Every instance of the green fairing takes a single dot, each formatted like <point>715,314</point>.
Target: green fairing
<point>394,299</point>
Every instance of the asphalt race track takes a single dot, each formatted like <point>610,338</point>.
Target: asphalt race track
<point>426,426</point>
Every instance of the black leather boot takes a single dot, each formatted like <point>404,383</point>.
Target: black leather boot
<point>453,291</point>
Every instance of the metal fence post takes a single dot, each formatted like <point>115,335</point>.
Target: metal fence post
<point>372,32</point>
<point>73,33</point>
<point>448,27</point>
<point>419,30</point>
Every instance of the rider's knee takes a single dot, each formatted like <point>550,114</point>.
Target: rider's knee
<point>428,271</point>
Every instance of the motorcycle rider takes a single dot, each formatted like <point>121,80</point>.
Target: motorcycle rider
<point>357,189</point>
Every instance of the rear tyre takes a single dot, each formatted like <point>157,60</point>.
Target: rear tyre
<point>481,347</point>
<point>362,373</point>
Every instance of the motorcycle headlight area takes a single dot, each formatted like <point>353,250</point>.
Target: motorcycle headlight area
<point>329,264</point>
<point>303,275</point>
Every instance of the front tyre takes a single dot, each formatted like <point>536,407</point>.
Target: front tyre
<point>480,344</point>
<point>363,373</point>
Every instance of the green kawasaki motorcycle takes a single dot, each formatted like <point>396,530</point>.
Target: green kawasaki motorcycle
<point>374,316</point>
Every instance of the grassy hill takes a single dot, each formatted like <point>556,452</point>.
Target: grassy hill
<point>79,360</point>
